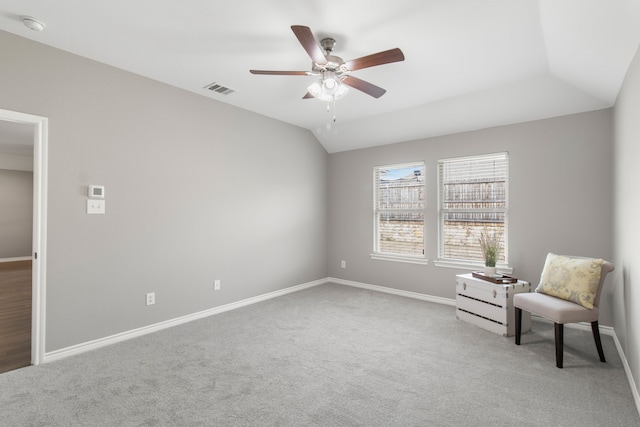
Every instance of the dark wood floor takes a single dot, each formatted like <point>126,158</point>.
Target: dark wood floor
<point>15,315</point>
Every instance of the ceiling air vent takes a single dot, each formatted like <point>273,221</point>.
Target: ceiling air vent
<point>217,87</point>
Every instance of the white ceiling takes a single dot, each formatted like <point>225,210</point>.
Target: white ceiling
<point>470,64</point>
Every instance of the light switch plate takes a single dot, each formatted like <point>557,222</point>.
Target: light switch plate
<point>95,207</point>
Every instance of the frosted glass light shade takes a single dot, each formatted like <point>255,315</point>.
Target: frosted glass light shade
<point>328,89</point>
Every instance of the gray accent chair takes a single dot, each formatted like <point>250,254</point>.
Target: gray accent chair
<point>560,312</point>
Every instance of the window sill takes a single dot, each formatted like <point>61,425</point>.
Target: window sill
<point>398,258</point>
<point>475,266</point>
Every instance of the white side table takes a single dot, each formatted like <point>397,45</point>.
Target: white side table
<point>490,305</point>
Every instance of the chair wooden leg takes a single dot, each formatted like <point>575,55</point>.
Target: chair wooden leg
<point>559,330</point>
<point>518,324</point>
<point>596,336</point>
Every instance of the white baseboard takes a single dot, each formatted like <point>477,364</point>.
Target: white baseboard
<point>627,370</point>
<point>408,294</point>
<point>582,326</point>
<point>123,336</point>
<point>134,333</point>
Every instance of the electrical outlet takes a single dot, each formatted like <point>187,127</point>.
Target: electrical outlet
<point>151,298</point>
<point>216,285</point>
<point>343,264</point>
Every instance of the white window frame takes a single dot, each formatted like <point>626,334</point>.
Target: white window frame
<point>377,211</point>
<point>474,264</point>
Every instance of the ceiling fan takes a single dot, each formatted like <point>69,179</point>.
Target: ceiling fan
<point>334,72</point>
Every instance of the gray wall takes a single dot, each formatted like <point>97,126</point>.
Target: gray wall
<point>626,306</point>
<point>14,161</point>
<point>196,190</point>
<point>560,197</point>
<point>191,183</point>
<point>16,213</point>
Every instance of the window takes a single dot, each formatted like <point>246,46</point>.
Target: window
<point>472,198</point>
<point>399,212</point>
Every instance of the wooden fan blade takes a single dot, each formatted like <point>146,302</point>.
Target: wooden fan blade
<point>280,73</point>
<point>309,43</point>
<point>391,55</point>
<point>364,86</point>
<point>307,96</point>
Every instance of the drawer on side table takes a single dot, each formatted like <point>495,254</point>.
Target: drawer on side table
<point>490,305</point>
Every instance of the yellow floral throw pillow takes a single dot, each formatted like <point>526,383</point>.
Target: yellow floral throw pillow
<point>572,279</point>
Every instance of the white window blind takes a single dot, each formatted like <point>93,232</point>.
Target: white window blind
<point>473,197</point>
<point>399,203</point>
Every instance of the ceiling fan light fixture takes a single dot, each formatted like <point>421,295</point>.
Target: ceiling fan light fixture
<point>328,89</point>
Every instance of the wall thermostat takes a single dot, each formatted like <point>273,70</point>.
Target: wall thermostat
<point>96,191</point>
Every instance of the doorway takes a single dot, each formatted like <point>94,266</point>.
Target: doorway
<point>38,127</point>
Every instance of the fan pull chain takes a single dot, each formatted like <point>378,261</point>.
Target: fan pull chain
<point>334,109</point>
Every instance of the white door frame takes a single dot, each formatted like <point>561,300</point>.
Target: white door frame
<point>40,145</point>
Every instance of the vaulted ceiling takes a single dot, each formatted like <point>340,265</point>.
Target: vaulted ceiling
<point>469,64</point>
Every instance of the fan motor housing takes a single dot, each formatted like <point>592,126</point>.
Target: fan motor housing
<point>334,63</point>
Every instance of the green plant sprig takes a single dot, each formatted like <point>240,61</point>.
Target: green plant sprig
<point>490,245</point>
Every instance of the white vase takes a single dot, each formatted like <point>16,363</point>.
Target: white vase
<point>489,271</point>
